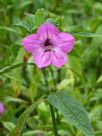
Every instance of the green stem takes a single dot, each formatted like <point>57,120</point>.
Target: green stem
<point>55,87</point>
<point>51,107</point>
<point>53,120</point>
<point>54,81</point>
<point>9,68</point>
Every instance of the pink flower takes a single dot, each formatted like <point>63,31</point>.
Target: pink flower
<point>2,108</point>
<point>49,46</point>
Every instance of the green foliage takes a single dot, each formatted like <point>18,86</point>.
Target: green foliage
<point>87,34</point>
<point>22,83</point>
<point>15,49</point>
<point>39,17</point>
<point>9,126</point>
<point>32,21</point>
<point>22,120</point>
<point>28,24</point>
<point>72,110</point>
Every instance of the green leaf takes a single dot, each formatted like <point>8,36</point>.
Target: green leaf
<point>24,4</point>
<point>16,73</point>
<point>14,99</point>
<point>9,126</point>
<point>9,29</point>
<point>98,7</point>
<point>73,111</point>
<point>34,133</point>
<point>14,49</point>
<point>32,22</point>
<point>55,20</point>
<point>28,24</point>
<point>22,120</point>
<point>96,42</point>
<point>39,17</point>
<point>99,79</point>
<point>87,34</point>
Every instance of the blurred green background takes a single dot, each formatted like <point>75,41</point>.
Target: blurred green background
<point>81,76</point>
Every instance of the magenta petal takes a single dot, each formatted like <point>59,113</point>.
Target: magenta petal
<point>47,31</point>
<point>65,42</point>
<point>58,57</point>
<point>30,42</point>
<point>2,108</point>
<point>41,58</point>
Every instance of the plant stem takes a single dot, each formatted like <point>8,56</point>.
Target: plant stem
<point>54,81</point>
<point>53,120</point>
<point>55,87</point>
<point>8,68</point>
<point>51,107</point>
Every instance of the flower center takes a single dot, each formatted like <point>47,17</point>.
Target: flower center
<point>47,42</point>
<point>48,45</point>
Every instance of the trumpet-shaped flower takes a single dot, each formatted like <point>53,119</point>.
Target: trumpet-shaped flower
<point>49,46</point>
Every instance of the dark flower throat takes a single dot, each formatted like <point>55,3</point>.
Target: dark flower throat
<point>47,43</point>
